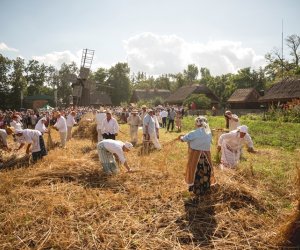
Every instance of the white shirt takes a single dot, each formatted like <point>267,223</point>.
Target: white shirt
<point>164,113</point>
<point>110,127</point>
<point>61,124</point>
<point>40,126</point>
<point>32,136</point>
<point>134,120</point>
<point>234,141</point>
<point>99,119</point>
<point>16,124</point>
<point>70,120</point>
<point>234,124</point>
<point>114,147</point>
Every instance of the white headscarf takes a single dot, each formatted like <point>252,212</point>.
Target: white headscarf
<point>243,128</point>
<point>201,121</point>
<point>128,145</point>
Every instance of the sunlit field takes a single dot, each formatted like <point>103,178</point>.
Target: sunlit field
<point>66,202</point>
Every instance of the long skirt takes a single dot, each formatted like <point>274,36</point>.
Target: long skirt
<point>229,157</point>
<point>134,133</point>
<point>43,152</point>
<point>107,160</point>
<point>198,172</point>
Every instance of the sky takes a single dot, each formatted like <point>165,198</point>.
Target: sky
<point>153,36</point>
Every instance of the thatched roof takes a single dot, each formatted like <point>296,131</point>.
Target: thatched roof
<point>185,91</point>
<point>38,97</point>
<point>100,98</point>
<point>283,91</point>
<point>244,95</point>
<point>149,94</point>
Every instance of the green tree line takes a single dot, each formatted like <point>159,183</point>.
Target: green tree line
<point>32,78</point>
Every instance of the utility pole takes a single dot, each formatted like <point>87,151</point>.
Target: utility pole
<point>282,50</point>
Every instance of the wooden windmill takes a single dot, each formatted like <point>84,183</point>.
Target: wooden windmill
<point>86,91</point>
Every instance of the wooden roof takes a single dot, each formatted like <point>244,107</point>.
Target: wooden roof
<point>38,97</point>
<point>149,94</point>
<point>283,91</point>
<point>100,98</point>
<point>244,95</point>
<point>185,91</point>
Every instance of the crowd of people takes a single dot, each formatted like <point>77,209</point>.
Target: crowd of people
<point>28,127</point>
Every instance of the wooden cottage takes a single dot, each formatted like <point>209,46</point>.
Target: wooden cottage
<point>244,99</point>
<point>282,92</point>
<point>179,96</point>
<point>149,94</point>
<point>100,98</point>
<point>37,101</point>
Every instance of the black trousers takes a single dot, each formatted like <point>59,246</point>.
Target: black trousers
<point>164,122</point>
<point>109,136</point>
<point>170,122</point>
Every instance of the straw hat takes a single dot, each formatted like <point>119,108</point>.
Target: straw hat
<point>134,111</point>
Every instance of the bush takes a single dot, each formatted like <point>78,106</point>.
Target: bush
<point>201,101</point>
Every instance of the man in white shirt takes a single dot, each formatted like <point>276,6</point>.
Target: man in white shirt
<point>232,120</point>
<point>100,116</point>
<point>230,145</point>
<point>70,123</point>
<point>35,139</point>
<point>150,130</point>
<point>61,126</point>
<point>164,115</point>
<point>110,127</point>
<point>108,149</point>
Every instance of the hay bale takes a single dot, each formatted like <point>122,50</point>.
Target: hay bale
<point>87,128</point>
<point>17,160</point>
<point>289,234</point>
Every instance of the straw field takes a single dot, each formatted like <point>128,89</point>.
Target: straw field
<point>66,202</point>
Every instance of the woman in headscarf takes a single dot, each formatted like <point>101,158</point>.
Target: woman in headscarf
<point>230,145</point>
<point>40,126</point>
<point>199,165</point>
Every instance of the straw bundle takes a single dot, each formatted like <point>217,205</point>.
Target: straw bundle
<point>289,234</point>
<point>87,128</point>
<point>17,160</point>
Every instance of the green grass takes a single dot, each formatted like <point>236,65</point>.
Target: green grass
<point>264,133</point>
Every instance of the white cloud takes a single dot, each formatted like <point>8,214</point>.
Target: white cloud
<point>58,58</point>
<point>156,55</point>
<point>4,47</point>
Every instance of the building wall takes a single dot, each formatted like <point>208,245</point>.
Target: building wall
<point>36,104</point>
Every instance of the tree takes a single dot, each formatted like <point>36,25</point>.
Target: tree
<point>191,73</point>
<point>64,89</point>
<point>293,42</point>
<point>118,78</point>
<point>36,75</point>
<point>279,67</point>
<point>5,67</point>
<point>163,82</point>
<point>17,81</point>
<point>201,101</point>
